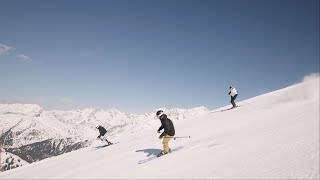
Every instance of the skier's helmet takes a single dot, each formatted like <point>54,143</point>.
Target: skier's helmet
<point>97,126</point>
<point>159,113</point>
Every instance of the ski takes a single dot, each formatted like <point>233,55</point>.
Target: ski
<point>223,110</point>
<point>103,146</point>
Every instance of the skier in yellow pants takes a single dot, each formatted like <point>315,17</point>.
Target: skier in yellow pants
<point>165,142</point>
<point>168,132</point>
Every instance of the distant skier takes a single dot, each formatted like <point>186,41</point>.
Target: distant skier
<point>102,132</point>
<point>168,132</point>
<point>233,92</point>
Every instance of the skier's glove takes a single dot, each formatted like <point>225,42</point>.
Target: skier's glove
<point>161,136</point>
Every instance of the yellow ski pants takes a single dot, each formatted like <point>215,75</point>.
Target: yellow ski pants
<point>165,142</point>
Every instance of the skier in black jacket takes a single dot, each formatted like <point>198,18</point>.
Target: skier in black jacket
<point>168,132</point>
<point>102,136</point>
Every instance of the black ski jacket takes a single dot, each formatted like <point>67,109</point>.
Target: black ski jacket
<point>167,125</point>
<point>102,131</point>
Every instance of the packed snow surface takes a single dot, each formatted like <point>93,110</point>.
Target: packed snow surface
<point>272,136</point>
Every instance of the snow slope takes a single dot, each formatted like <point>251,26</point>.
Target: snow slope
<point>272,136</point>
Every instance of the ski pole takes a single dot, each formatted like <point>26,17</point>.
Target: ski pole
<point>175,137</point>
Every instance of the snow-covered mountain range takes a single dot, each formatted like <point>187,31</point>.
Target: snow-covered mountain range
<point>11,161</point>
<point>35,134</point>
<point>23,124</point>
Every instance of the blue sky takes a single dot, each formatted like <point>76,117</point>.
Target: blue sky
<point>139,55</point>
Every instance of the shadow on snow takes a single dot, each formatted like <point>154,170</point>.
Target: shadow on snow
<point>150,152</point>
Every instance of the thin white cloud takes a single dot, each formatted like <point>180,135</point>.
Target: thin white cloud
<point>24,58</point>
<point>66,100</point>
<point>4,49</point>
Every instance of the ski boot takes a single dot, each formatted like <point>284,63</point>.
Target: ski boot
<point>109,143</point>
<point>162,153</point>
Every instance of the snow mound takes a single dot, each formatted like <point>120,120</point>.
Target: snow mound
<point>307,90</point>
